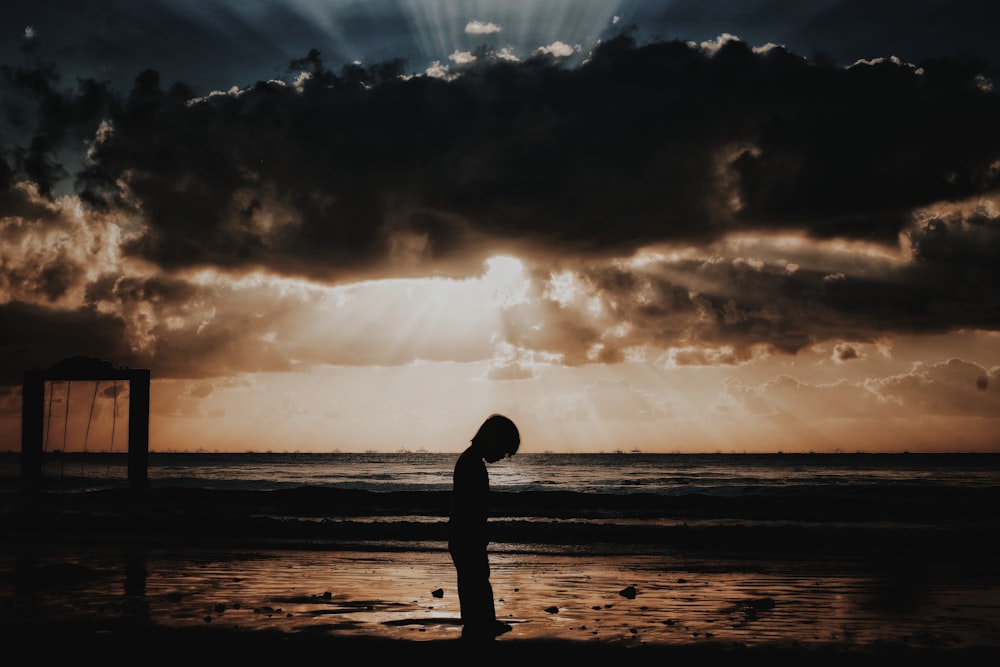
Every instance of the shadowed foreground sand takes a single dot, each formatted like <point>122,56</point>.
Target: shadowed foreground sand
<point>247,602</point>
<point>895,574</point>
<point>204,645</point>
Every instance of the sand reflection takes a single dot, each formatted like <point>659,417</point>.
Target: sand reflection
<point>411,594</point>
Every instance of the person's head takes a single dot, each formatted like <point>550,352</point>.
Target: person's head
<point>497,438</point>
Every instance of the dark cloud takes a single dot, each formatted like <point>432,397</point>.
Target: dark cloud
<point>35,337</point>
<point>719,307</point>
<point>851,153</point>
<point>53,122</point>
<point>957,268</point>
<point>844,353</point>
<point>45,279</point>
<point>639,145</point>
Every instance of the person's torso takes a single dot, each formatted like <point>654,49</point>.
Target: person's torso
<point>469,499</point>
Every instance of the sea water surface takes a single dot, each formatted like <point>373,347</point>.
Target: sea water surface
<point>724,475</point>
<point>812,503</point>
<point>856,549</point>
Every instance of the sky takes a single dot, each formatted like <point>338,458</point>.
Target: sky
<point>689,226</point>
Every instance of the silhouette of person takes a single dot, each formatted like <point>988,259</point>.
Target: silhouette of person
<point>468,535</point>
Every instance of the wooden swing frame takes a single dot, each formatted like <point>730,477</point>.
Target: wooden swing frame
<point>84,368</point>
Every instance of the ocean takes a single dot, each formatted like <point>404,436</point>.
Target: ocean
<point>809,503</point>
<point>725,475</point>
<point>745,549</point>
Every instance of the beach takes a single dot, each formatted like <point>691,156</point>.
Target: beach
<point>239,601</point>
<point>250,573</point>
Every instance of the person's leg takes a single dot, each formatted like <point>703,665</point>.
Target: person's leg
<point>475,593</point>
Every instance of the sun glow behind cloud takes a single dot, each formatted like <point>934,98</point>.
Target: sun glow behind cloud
<point>384,322</point>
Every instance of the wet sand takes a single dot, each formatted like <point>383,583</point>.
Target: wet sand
<point>238,598</point>
<point>255,576</point>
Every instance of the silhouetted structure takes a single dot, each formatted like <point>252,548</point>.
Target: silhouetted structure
<point>84,368</point>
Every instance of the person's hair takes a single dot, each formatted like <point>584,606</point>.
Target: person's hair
<point>499,429</point>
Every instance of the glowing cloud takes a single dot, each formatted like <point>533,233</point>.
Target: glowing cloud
<point>482,28</point>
